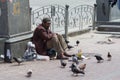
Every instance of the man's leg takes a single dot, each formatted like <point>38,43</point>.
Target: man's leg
<point>63,44</point>
<point>62,41</point>
<point>54,43</point>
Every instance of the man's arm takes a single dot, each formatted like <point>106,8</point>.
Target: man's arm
<point>46,35</point>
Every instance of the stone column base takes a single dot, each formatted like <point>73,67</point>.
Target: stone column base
<point>16,45</point>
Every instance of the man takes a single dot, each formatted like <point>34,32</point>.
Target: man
<point>45,39</point>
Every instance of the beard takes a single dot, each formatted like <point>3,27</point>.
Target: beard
<point>47,27</point>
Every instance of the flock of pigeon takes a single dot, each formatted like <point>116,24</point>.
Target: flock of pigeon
<point>75,67</point>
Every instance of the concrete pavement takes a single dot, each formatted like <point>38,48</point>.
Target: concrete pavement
<point>91,43</point>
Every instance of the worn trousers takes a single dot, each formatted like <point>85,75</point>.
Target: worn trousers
<point>58,43</point>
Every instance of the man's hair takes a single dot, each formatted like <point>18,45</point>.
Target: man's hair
<point>45,20</point>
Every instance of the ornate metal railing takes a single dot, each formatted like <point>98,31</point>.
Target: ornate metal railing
<point>80,17</point>
<point>56,13</point>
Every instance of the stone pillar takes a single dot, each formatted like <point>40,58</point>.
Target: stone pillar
<point>66,21</point>
<point>103,10</point>
<point>15,25</point>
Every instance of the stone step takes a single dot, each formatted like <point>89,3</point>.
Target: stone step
<point>112,28</point>
<point>107,23</point>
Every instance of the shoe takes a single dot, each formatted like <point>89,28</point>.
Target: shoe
<point>65,58</point>
<point>67,55</point>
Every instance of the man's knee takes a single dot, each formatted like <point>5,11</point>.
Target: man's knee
<point>54,39</point>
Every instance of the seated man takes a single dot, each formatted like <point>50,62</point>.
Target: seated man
<point>45,39</point>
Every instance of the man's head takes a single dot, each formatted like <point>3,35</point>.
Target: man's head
<point>46,22</point>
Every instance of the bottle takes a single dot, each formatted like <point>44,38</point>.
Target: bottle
<point>79,54</point>
<point>8,56</point>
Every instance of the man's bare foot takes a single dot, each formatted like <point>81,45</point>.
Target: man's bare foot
<point>67,55</point>
<point>62,57</point>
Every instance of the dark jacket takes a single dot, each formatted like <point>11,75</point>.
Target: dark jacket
<point>40,38</point>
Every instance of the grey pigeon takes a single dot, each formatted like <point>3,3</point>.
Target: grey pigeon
<point>63,63</point>
<point>77,42</point>
<point>98,58</point>
<point>75,70</point>
<point>29,73</point>
<point>75,59</point>
<point>18,60</point>
<point>109,56</point>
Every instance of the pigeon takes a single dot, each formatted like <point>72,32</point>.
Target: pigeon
<point>63,63</point>
<point>99,58</point>
<point>75,59</point>
<point>109,56</point>
<point>82,67</point>
<point>69,47</point>
<point>109,40</point>
<point>18,60</point>
<point>67,41</point>
<point>73,65</point>
<point>29,73</point>
<point>75,70</point>
<point>77,42</point>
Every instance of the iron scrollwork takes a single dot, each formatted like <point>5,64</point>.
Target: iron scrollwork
<point>80,17</point>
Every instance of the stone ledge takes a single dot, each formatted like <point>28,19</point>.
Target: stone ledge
<point>19,38</point>
<point>75,33</point>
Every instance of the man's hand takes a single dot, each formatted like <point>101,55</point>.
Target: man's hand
<point>54,35</point>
